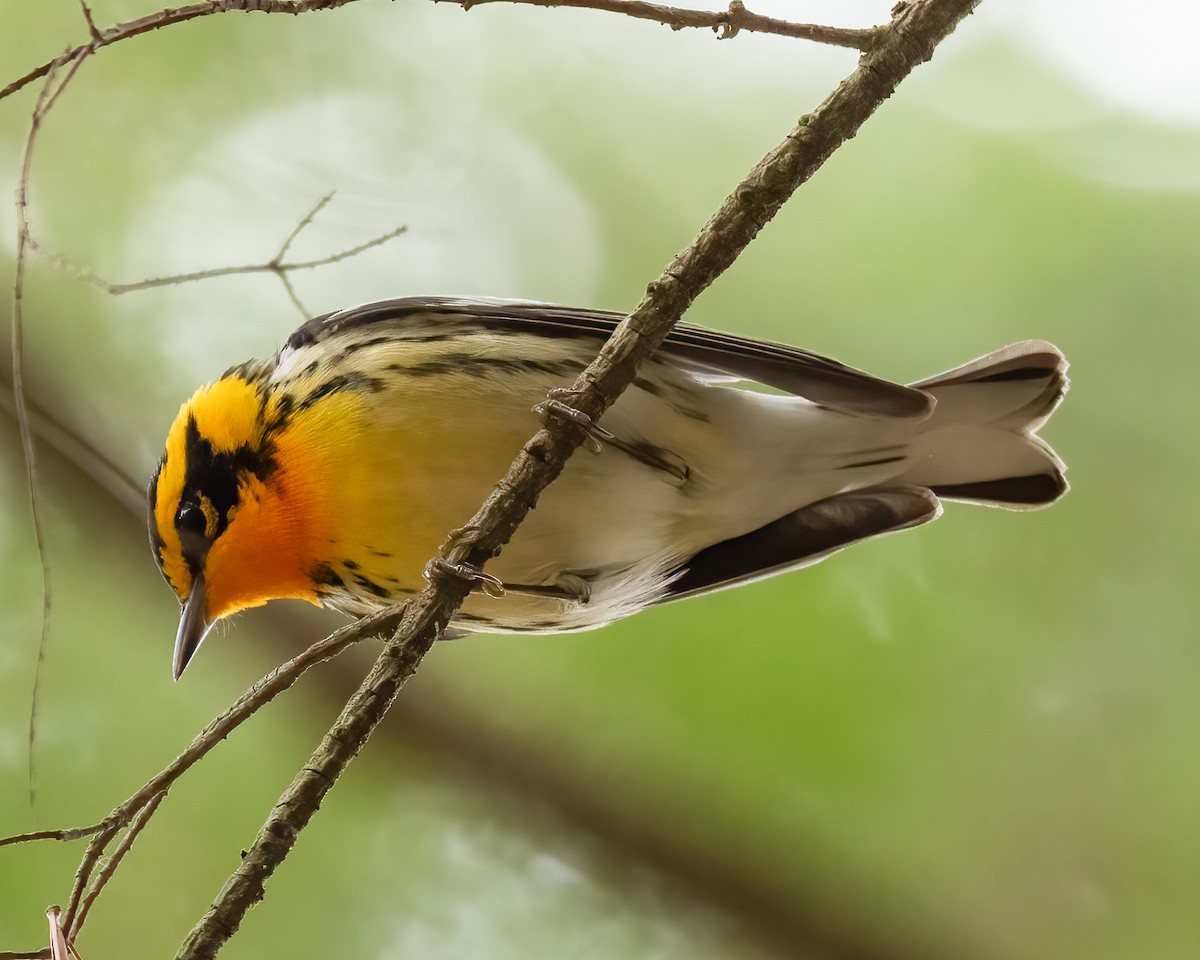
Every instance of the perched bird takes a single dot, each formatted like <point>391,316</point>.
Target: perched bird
<point>333,471</point>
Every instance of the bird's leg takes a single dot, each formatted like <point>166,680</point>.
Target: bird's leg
<point>555,406</point>
<point>567,587</point>
<point>465,571</point>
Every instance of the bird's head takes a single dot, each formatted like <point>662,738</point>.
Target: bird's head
<point>229,523</point>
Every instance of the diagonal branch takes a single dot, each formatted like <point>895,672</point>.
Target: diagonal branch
<point>909,40</point>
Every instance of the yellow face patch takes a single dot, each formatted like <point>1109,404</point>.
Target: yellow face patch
<point>227,416</point>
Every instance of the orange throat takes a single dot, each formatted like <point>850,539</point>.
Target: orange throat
<point>271,545</point>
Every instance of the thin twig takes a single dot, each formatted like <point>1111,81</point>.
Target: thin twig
<point>725,24</point>
<point>275,265</point>
<point>910,39</point>
<point>87,15</point>
<point>106,872</point>
<point>47,97</point>
<point>42,954</point>
<point>138,808</point>
<point>249,703</point>
<point>298,229</point>
<point>63,836</point>
<point>165,18</point>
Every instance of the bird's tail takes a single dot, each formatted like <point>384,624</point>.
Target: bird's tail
<point>981,444</point>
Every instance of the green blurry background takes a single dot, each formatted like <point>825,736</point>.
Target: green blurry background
<point>978,740</point>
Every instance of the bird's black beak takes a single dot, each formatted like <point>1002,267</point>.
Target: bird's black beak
<point>193,625</point>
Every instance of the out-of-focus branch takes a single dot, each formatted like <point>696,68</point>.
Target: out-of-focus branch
<point>725,23</point>
<point>909,40</point>
<point>52,89</point>
<point>158,20</point>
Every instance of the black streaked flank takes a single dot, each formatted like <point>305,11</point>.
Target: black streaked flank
<point>323,575</point>
<point>343,381</point>
<point>871,463</point>
<point>371,586</point>
<point>649,386</point>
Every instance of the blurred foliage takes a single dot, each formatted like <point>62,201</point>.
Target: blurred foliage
<point>972,741</point>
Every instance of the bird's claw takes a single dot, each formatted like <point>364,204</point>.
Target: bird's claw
<point>467,572</point>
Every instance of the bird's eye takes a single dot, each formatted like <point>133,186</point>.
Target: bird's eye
<point>191,519</point>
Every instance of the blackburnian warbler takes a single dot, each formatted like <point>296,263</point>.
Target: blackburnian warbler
<point>333,471</point>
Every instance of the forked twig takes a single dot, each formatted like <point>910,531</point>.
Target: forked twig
<point>134,811</point>
<point>276,265</point>
<point>156,21</point>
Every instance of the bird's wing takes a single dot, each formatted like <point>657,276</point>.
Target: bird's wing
<point>804,537</point>
<point>711,352</point>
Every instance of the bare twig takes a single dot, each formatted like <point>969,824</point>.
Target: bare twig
<point>47,97</point>
<point>63,836</point>
<point>275,265</point>
<point>724,23</point>
<point>87,16</point>
<point>165,18</point>
<point>910,39</point>
<point>42,954</point>
<point>136,810</point>
<point>140,819</point>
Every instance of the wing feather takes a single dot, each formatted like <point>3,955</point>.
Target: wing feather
<point>790,369</point>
